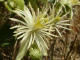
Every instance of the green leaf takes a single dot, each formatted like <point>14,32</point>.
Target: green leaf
<point>1,0</point>
<point>19,4</point>
<point>5,44</point>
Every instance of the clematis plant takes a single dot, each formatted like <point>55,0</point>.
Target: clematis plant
<point>66,6</point>
<point>59,22</point>
<point>34,28</point>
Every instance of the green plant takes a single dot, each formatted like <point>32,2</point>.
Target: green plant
<point>34,28</point>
